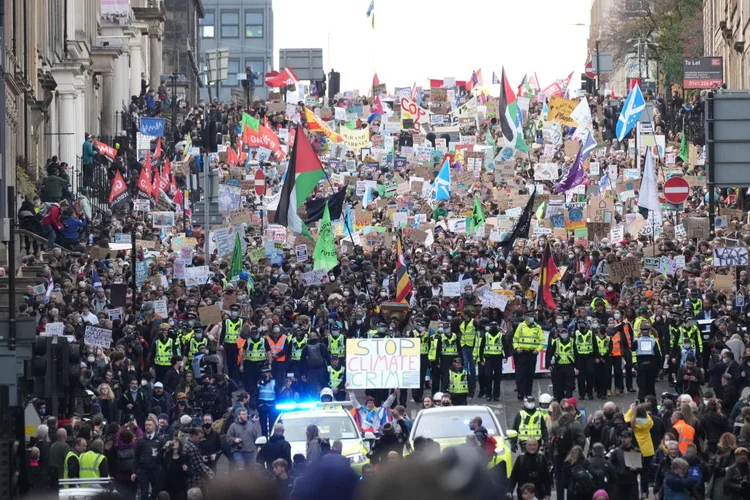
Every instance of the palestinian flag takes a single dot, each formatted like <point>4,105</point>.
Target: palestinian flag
<point>509,117</point>
<point>119,196</point>
<point>548,275</point>
<point>302,176</point>
<point>403,284</point>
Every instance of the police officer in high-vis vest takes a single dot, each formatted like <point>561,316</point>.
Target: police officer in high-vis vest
<point>162,352</point>
<point>528,342</point>
<point>254,352</point>
<point>337,378</point>
<point>467,340</point>
<point>529,423</point>
<point>280,351</point>
<point>422,333</point>
<point>230,332</point>
<point>491,359</point>
<point>266,399</point>
<point>648,360</point>
<point>436,375</point>
<point>186,333</point>
<point>336,342</point>
<point>194,346</point>
<point>584,350</point>
<point>561,362</point>
<point>297,342</point>
<point>458,383</point>
<point>448,349</point>
<point>602,369</point>
<point>93,463</point>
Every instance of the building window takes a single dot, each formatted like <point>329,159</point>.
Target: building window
<point>208,25</point>
<point>253,25</point>
<point>233,67</point>
<point>230,24</point>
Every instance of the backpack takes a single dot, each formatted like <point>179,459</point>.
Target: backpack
<point>582,482</point>
<point>314,357</point>
<point>598,477</point>
<point>125,460</point>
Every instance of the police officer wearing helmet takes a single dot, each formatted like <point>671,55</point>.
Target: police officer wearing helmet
<point>458,383</point>
<point>162,352</point>
<point>337,378</point>
<point>230,332</point>
<point>491,359</point>
<point>447,350</point>
<point>529,423</point>
<point>254,354</point>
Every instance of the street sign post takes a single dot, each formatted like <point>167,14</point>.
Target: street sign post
<point>260,183</point>
<point>590,73</point>
<point>676,190</point>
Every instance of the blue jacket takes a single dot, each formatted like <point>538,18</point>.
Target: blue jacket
<point>88,153</point>
<point>70,228</point>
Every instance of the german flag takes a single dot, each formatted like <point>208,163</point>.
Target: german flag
<point>548,275</point>
<point>403,285</point>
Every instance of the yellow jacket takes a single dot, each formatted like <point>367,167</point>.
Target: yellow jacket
<point>528,337</point>
<point>643,434</point>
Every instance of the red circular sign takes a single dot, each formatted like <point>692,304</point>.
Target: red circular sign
<point>590,70</point>
<point>260,183</point>
<point>676,190</point>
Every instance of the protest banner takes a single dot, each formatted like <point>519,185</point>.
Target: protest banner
<point>696,227</point>
<point>162,219</point>
<point>546,172</point>
<point>317,277</point>
<point>54,329</point>
<point>383,363</point>
<point>97,337</point>
<point>626,268</point>
<point>730,257</point>
<point>452,289</point>
<point>160,309</point>
<point>116,313</point>
<point>356,139</point>
<point>196,276</point>
<point>301,251</point>
<point>560,110</point>
<point>210,315</point>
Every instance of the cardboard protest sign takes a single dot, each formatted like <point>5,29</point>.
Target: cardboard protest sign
<point>696,227</point>
<point>560,110</point>
<point>730,257</point>
<point>626,268</point>
<point>160,308</point>
<point>723,282</point>
<point>97,337</point>
<point>382,363</point>
<point>210,315</point>
<point>239,217</point>
<point>54,329</point>
<point>452,289</point>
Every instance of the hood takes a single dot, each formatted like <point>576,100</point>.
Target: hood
<point>275,438</point>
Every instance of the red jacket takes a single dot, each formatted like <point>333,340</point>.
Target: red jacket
<point>53,217</point>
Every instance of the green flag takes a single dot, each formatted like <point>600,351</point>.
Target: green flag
<point>325,247</point>
<point>684,148</point>
<point>251,121</point>
<point>236,267</point>
<point>477,216</point>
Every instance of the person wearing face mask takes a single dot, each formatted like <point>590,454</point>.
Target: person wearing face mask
<point>647,354</point>
<point>280,351</point>
<point>185,334</point>
<point>436,376</point>
<point>162,352</point>
<point>254,352</point>
<point>529,424</point>
<point>561,360</point>
<point>528,342</point>
<point>602,360</point>
<point>194,346</point>
<point>422,333</point>
<point>211,445</point>
<point>297,343</point>
<point>230,331</point>
<point>584,350</point>
<point>689,334</point>
<point>621,354</point>
<point>161,400</point>
<point>447,350</point>
<point>132,403</point>
<point>491,359</point>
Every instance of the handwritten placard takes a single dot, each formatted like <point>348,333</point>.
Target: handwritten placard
<point>382,363</point>
<point>97,337</point>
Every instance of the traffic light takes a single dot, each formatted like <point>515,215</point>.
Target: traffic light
<point>334,79</point>
<point>587,84</point>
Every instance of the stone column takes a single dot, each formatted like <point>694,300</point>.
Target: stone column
<point>155,46</point>
<point>136,63</point>
<point>66,113</point>
<point>122,88</point>
<point>52,139</point>
<point>108,102</point>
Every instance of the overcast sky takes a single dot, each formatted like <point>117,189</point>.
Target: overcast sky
<point>414,40</point>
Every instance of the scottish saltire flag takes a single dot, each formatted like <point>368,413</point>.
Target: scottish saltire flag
<point>442,186</point>
<point>631,111</point>
<point>495,79</point>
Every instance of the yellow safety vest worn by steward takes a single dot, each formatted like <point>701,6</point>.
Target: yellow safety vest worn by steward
<point>602,344</point>
<point>336,345</point>
<point>66,464</point>
<point>89,464</point>
<point>493,344</point>
<point>528,337</point>
<point>584,342</point>
<point>449,345</point>
<point>694,335</point>
<point>255,350</point>
<point>164,352</point>
<point>297,346</point>
<point>530,426</point>
<point>468,333</point>
<point>458,382</point>
<point>232,330</point>
<point>697,306</point>
<point>432,355</point>
<point>563,352</point>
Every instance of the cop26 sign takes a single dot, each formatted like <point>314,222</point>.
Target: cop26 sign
<point>152,126</point>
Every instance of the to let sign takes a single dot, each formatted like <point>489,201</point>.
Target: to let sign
<point>702,72</point>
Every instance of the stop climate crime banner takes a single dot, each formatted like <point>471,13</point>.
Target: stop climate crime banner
<point>382,363</point>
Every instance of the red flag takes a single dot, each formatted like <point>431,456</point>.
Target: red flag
<point>548,275</point>
<point>166,177</point>
<point>157,152</point>
<point>118,195</point>
<point>144,180</point>
<point>375,80</point>
<point>377,106</point>
<point>436,84</point>
<point>286,78</point>
<point>155,186</point>
<point>147,166</point>
<point>106,150</point>
<point>178,198</point>
<point>232,159</point>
